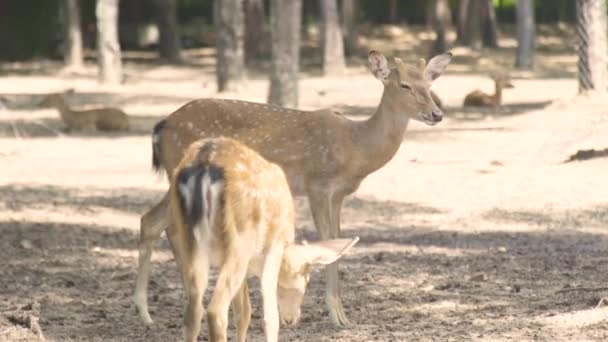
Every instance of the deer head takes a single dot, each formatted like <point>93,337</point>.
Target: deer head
<point>298,261</point>
<point>407,87</point>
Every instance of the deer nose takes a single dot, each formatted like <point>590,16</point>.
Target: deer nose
<point>437,115</point>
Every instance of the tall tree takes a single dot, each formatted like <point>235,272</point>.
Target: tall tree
<point>472,37</point>
<point>591,33</point>
<point>256,35</point>
<point>350,16</point>
<point>169,46</point>
<point>490,24</point>
<point>441,18</point>
<point>230,28</point>
<point>525,34</point>
<point>331,38</point>
<point>285,23</point>
<point>108,48</point>
<point>461,25</point>
<point>393,11</point>
<point>72,54</point>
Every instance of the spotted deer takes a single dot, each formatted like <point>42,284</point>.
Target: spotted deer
<point>103,119</point>
<point>232,209</point>
<point>325,156</point>
<point>478,98</point>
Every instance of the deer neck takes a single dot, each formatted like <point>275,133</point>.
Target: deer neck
<point>497,92</point>
<point>380,136</point>
<point>62,107</point>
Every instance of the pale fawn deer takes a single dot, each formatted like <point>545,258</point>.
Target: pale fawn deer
<point>325,156</point>
<point>232,209</point>
<point>478,98</point>
<point>103,119</point>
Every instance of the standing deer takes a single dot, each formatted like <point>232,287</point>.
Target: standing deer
<point>325,156</point>
<point>478,98</point>
<point>103,119</point>
<point>232,209</point>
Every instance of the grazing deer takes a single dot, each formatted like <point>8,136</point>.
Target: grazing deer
<point>232,209</point>
<point>325,156</point>
<point>103,119</point>
<point>478,98</point>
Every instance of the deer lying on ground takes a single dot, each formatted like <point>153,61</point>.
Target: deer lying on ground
<point>103,119</point>
<point>232,209</point>
<point>478,98</point>
<point>324,155</point>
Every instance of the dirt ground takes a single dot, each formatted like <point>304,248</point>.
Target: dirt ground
<point>475,231</point>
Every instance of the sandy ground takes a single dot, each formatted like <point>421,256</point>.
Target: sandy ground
<point>475,231</point>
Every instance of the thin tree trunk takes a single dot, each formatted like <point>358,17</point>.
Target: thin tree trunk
<point>461,27</point>
<point>256,35</point>
<point>169,46</point>
<point>285,23</point>
<point>490,24</point>
<point>72,54</point>
<point>393,11</point>
<point>441,18</point>
<point>473,25</point>
<point>350,14</point>
<point>591,32</point>
<point>108,47</point>
<point>525,34</point>
<point>331,39</point>
<point>230,28</point>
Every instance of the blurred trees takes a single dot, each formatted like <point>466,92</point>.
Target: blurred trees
<point>169,41</point>
<point>350,18</point>
<point>72,51</point>
<point>332,44</point>
<point>285,23</point>
<point>525,34</point>
<point>489,32</point>
<point>592,48</point>
<point>441,20</point>
<point>230,43</point>
<point>108,48</point>
<point>472,29</point>
<point>256,35</point>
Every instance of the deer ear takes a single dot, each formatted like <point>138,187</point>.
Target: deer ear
<point>378,65</point>
<point>328,251</point>
<point>437,65</point>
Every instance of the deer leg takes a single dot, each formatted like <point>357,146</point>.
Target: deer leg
<point>269,283</point>
<point>195,271</point>
<point>325,207</point>
<point>241,307</point>
<point>152,225</point>
<point>229,281</point>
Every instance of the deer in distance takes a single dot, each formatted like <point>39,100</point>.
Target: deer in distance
<point>232,209</point>
<point>325,156</point>
<point>90,120</point>
<point>478,98</point>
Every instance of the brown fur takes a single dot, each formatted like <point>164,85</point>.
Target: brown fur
<point>103,119</point>
<point>477,98</point>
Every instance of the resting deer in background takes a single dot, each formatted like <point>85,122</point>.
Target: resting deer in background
<point>478,98</point>
<point>232,209</point>
<point>103,119</point>
<point>325,156</point>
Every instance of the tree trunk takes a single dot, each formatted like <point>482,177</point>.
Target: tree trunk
<point>591,32</point>
<point>230,29</point>
<point>256,36</point>
<point>331,39</point>
<point>525,34</point>
<point>441,18</point>
<point>108,48</point>
<point>490,24</point>
<point>461,27</point>
<point>72,54</point>
<point>393,11</point>
<point>350,14</point>
<point>169,46</point>
<point>473,25</point>
<point>285,23</point>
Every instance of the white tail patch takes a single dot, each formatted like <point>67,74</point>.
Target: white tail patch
<point>210,203</point>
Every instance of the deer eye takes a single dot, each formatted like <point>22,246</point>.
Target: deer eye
<point>405,86</point>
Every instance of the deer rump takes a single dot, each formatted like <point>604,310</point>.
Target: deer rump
<point>200,190</point>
